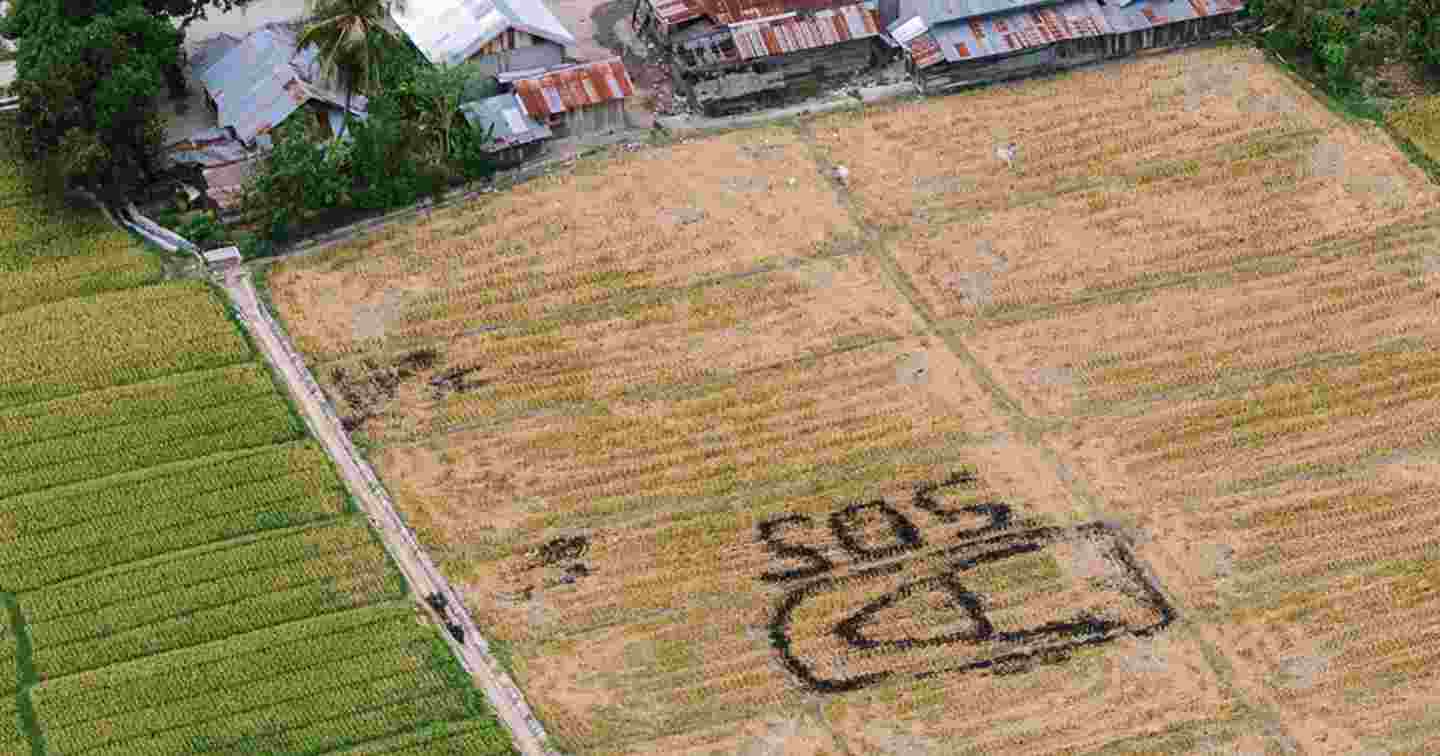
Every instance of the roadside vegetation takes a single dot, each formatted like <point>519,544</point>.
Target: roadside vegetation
<point>1374,59</point>
<point>413,143</point>
<point>180,567</point>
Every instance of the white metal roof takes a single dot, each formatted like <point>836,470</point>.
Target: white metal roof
<point>223,254</point>
<point>450,31</point>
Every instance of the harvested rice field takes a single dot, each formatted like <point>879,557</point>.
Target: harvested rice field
<point>953,456</point>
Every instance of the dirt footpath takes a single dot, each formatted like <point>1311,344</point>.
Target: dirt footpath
<point>425,580</point>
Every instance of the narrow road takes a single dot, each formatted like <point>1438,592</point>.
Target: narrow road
<point>474,654</point>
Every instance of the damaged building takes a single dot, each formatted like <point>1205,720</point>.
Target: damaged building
<point>249,86</point>
<point>956,43</point>
<point>733,55</point>
<point>254,84</point>
<point>514,136</point>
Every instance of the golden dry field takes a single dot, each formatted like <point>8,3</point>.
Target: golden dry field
<point>1126,448</point>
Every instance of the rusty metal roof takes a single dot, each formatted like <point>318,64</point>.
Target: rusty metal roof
<point>571,87</point>
<point>1145,14</point>
<point>674,12</point>
<point>791,33</point>
<point>207,148</point>
<point>977,38</point>
<point>1007,33</point>
<point>936,12</point>
<point>226,184</point>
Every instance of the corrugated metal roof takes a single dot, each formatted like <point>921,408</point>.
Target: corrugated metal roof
<point>791,33</point>
<point>212,49</point>
<point>1144,14</point>
<point>506,114</point>
<point>207,148</point>
<point>672,12</point>
<point>936,12</point>
<point>925,51</point>
<point>783,34</point>
<point>1013,32</point>
<point>262,80</point>
<point>226,184</point>
<point>570,87</point>
<point>450,31</point>
<point>977,38</point>
<point>675,12</point>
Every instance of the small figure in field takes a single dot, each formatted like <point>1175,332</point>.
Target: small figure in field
<point>1007,154</point>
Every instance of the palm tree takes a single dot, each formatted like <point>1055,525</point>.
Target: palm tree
<point>349,35</point>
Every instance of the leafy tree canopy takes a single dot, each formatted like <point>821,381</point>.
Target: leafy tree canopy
<point>26,15</point>
<point>87,91</point>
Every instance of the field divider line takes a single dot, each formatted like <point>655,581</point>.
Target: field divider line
<point>1030,429</point>
<point>410,557</point>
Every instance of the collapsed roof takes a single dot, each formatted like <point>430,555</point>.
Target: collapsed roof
<point>672,13</point>
<point>505,119</point>
<point>258,82</point>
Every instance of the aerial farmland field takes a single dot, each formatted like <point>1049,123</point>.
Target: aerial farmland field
<point>180,569</point>
<point>1126,448</point>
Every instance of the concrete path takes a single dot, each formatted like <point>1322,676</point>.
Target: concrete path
<point>505,698</point>
<point>881,93</point>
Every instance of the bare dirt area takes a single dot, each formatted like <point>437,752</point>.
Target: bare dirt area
<point>1219,290</point>
<point>948,456</point>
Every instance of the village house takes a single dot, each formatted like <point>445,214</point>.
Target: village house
<point>250,86</point>
<point>254,84</point>
<point>732,55</point>
<point>573,100</point>
<point>954,43</point>
<point>496,35</point>
<point>514,136</point>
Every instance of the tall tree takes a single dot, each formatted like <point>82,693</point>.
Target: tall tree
<point>25,13</point>
<point>351,37</point>
<point>87,93</point>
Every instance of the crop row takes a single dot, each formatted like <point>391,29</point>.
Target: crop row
<point>106,262</point>
<point>192,624</point>
<point>246,422</point>
<point>321,724</point>
<point>329,570</point>
<point>471,737</point>
<point>198,567</point>
<point>151,530</point>
<point>132,404</point>
<point>37,513</point>
<point>31,229</point>
<point>315,688</point>
<point>9,655</point>
<point>13,741</point>
<point>203,671</point>
<point>89,343</point>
